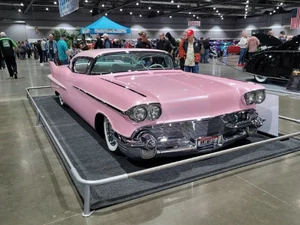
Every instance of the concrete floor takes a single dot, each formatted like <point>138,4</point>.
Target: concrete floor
<point>35,188</point>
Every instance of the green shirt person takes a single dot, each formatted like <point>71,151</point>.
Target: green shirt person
<point>7,52</point>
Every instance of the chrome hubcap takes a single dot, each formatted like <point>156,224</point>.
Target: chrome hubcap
<point>110,134</point>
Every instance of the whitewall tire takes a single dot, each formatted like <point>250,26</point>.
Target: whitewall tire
<point>260,78</point>
<point>111,140</point>
<point>61,101</point>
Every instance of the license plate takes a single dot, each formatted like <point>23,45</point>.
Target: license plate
<point>207,141</point>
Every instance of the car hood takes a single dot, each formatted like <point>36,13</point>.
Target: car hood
<point>185,95</point>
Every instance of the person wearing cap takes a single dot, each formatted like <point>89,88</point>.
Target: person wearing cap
<point>107,42</point>
<point>63,50</point>
<point>282,36</point>
<point>7,51</point>
<point>192,50</point>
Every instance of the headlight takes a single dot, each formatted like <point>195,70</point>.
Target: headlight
<point>256,97</point>
<point>154,112</point>
<point>250,98</point>
<point>260,96</point>
<point>141,112</point>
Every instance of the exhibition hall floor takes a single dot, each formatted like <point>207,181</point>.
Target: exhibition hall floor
<point>35,189</point>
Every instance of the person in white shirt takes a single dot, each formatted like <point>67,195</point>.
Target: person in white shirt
<point>243,43</point>
<point>44,49</point>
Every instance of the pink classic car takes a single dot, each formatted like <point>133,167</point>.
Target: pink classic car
<point>143,106</point>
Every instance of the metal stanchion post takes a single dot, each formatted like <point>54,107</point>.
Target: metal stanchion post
<point>38,119</point>
<point>87,201</point>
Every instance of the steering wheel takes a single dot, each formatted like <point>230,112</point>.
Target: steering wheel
<point>156,64</point>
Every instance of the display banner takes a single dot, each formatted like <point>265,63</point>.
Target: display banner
<point>109,31</point>
<point>194,23</point>
<point>67,6</point>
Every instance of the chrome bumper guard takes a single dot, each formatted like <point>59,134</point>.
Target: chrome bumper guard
<point>183,137</point>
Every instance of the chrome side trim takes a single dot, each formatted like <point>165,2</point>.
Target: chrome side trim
<point>99,100</point>
<point>123,86</point>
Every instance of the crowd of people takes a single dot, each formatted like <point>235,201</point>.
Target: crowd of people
<point>189,51</point>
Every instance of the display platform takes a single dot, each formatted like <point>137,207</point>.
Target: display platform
<point>86,151</point>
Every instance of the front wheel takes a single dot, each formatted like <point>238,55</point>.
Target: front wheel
<point>61,101</point>
<point>109,133</point>
<point>260,78</point>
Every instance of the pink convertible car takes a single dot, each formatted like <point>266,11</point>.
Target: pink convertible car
<point>143,106</point>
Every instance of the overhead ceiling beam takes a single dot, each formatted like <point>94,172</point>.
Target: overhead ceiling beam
<point>28,7</point>
<point>191,8</point>
<point>120,6</point>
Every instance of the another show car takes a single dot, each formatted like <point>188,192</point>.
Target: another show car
<point>142,105</point>
<point>275,62</point>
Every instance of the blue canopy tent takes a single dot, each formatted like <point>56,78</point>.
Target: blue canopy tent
<point>105,25</point>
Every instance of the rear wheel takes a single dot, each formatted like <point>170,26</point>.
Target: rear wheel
<point>109,133</point>
<point>260,78</point>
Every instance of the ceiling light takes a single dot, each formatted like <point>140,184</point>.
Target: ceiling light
<point>47,9</point>
<point>178,6</point>
<point>105,14</point>
<point>219,14</point>
<point>281,3</point>
<point>190,13</point>
<point>22,4</point>
<point>91,11</point>
<point>246,12</point>
<point>245,17</point>
<point>247,6</point>
<point>55,3</point>
<point>140,15</point>
<point>102,5</point>
<point>214,8</point>
<point>149,7</point>
<point>246,9</point>
<point>270,13</point>
<point>86,1</point>
<point>130,13</point>
<point>277,7</point>
<point>172,1</point>
<point>194,15</point>
<point>247,1</point>
<point>222,18</point>
<point>19,10</point>
<point>121,10</point>
<point>170,16</point>
<point>137,3</point>
<point>274,11</point>
<point>197,17</point>
<point>217,11</point>
<point>157,11</point>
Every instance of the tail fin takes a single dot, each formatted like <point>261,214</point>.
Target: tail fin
<point>53,68</point>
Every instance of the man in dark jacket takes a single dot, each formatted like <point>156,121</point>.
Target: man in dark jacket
<point>107,42</point>
<point>163,44</point>
<point>206,47</point>
<point>99,42</point>
<point>192,50</point>
<point>7,50</point>
<point>144,42</point>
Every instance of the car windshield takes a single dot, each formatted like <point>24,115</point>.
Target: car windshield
<point>293,44</point>
<point>132,61</point>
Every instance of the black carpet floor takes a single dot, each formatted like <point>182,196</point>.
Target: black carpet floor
<point>88,153</point>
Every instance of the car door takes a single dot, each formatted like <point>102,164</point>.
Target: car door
<point>78,79</point>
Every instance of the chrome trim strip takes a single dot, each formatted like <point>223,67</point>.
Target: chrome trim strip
<point>99,100</point>
<point>123,86</point>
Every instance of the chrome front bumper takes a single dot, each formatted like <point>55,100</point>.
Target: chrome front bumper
<point>182,137</point>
